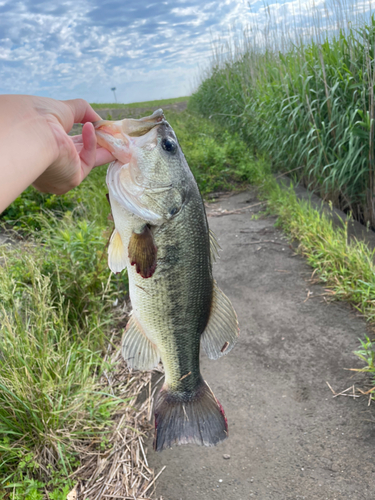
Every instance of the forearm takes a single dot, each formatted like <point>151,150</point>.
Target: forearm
<point>27,146</point>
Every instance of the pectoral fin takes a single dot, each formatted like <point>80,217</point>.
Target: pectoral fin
<point>142,252</point>
<point>222,328</point>
<point>116,253</point>
<point>138,351</point>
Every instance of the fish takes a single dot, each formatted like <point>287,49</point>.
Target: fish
<point>162,238</point>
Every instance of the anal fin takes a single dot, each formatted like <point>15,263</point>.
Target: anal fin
<point>222,329</point>
<point>137,350</point>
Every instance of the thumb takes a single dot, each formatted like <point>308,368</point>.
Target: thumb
<point>88,152</point>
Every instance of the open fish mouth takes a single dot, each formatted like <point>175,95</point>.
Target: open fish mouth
<point>129,126</point>
<point>122,136</point>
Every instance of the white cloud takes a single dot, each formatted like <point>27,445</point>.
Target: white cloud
<point>147,49</point>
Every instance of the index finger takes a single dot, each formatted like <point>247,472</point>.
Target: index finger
<point>82,111</point>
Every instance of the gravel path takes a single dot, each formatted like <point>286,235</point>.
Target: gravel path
<point>289,438</point>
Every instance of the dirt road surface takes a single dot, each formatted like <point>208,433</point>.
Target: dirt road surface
<point>288,437</point>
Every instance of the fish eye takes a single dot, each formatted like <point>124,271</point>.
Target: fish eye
<point>169,145</point>
<point>173,211</point>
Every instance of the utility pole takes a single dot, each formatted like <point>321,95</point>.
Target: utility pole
<point>114,93</point>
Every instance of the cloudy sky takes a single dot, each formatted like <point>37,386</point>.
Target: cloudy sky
<point>147,49</point>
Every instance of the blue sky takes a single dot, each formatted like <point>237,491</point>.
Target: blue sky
<point>147,49</point>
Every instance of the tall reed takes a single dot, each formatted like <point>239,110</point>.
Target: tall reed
<point>303,92</point>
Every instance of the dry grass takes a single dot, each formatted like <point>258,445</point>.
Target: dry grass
<point>122,470</point>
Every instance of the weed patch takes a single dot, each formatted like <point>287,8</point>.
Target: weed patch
<point>302,98</point>
<point>309,107</point>
<point>219,160</point>
<point>56,297</point>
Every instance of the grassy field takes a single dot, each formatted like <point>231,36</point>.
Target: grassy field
<point>306,99</point>
<point>145,104</point>
<point>56,312</point>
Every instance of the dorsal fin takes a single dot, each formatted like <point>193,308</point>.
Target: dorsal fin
<point>222,329</point>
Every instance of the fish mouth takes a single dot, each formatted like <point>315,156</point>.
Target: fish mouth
<point>130,126</point>
<point>118,136</point>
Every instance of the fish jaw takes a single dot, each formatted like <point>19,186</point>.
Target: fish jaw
<point>126,184</point>
<point>116,136</point>
<point>133,127</point>
<point>111,137</point>
<point>125,180</point>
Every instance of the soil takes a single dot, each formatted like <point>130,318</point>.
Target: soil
<point>289,438</point>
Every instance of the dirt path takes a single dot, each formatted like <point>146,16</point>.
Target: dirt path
<point>289,439</point>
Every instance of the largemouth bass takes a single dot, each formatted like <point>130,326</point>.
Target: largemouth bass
<point>162,237</point>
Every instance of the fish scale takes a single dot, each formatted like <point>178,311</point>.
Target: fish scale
<point>174,303</point>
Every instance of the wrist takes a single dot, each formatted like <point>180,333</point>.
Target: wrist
<point>27,144</point>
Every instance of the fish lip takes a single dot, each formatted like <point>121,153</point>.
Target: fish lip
<point>112,127</point>
<point>132,126</point>
<point>99,123</point>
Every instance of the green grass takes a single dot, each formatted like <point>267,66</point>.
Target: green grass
<point>304,104</point>
<point>145,104</point>
<point>48,371</point>
<point>219,160</point>
<point>56,296</point>
<point>309,108</point>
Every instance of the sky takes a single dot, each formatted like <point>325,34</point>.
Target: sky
<point>147,49</point>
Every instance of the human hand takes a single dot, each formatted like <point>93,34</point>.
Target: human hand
<point>36,149</point>
<point>74,156</point>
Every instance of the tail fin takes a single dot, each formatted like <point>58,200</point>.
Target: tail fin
<point>182,418</point>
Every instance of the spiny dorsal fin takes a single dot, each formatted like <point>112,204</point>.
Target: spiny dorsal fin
<point>138,351</point>
<point>214,246</point>
<point>222,329</point>
<point>142,252</point>
<point>116,253</point>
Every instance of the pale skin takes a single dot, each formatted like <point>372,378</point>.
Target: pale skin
<point>36,149</point>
